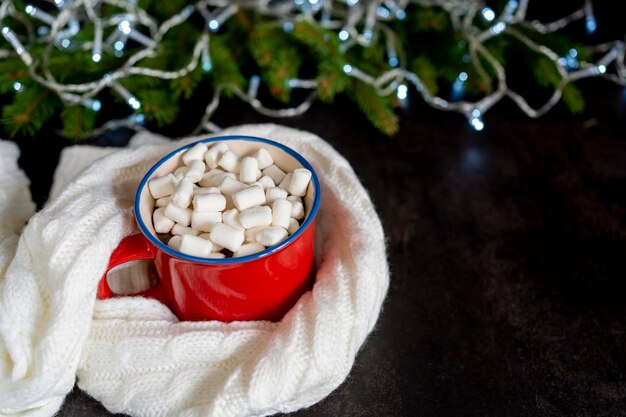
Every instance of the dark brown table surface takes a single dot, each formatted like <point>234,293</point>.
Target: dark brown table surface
<point>507,250</point>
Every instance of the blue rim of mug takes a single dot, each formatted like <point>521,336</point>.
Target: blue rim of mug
<point>269,251</point>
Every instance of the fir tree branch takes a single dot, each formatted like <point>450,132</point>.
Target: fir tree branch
<point>77,122</point>
<point>379,110</point>
<point>30,110</point>
<point>250,43</point>
<point>157,106</point>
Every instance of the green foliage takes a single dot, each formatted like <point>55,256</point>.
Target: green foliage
<point>330,81</point>
<point>165,9</point>
<point>225,67</point>
<point>548,76</point>
<point>573,99</point>
<point>427,73</point>
<point>379,110</point>
<point>430,20</point>
<point>12,70</point>
<point>248,44</point>
<point>320,42</point>
<point>77,122</point>
<point>186,85</point>
<point>30,110</point>
<point>158,106</point>
<point>277,57</point>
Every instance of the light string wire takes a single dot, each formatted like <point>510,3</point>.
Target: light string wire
<point>357,23</point>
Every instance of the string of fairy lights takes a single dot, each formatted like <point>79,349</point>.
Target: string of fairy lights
<point>354,22</point>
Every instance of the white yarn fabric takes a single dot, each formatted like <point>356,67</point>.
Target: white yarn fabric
<point>131,353</point>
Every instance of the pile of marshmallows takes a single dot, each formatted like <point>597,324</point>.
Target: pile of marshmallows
<point>218,201</point>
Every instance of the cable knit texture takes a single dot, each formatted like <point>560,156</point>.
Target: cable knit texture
<point>132,353</point>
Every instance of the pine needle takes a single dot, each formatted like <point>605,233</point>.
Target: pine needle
<point>77,122</point>
<point>31,108</point>
<point>158,106</point>
<point>427,73</point>
<point>379,110</point>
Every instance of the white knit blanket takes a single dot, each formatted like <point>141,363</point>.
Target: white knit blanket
<point>131,353</point>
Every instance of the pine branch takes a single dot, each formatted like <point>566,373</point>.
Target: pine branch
<point>250,43</point>
<point>186,86</point>
<point>325,48</point>
<point>547,75</point>
<point>427,73</point>
<point>225,68</point>
<point>330,82</point>
<point>12,70</point>
<point>321,42</point>
<point>30,110</point>
<point>278,59</point>
<point>573,99</point>
<point>430,20</point>
<point>379,110</point>
<point>77,122</point>
<point>158,106</point>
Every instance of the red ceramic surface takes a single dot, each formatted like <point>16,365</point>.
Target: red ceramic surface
<point>261,289</point>
<point>263,286</point>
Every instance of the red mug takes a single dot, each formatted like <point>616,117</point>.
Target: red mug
<point>261,286</point>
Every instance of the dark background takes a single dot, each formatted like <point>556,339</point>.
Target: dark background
<point>507,250</point>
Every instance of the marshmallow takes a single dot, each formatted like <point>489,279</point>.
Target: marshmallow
<point>195,171</point>
<point>237,167</point>
<point>275,173</point>
<point>174,242</point>
<point>214,153</point>
<point>293,226</point>
<point>255,216</point>
<point>162,186</point>
<point>195,153</point>
<point>299,182</point>
<point>162,202</point>
<point>195,246</point>
<point>293,198</point>
<point>297,210</point>
<point>265,182</point>
<point>206,190</point>
<point>211,178</point>
<point>183,230</point>
<point>281,213</point>
<point>248,249</point>
<point>220,147</point>
<point>162,224</point>
<point>184,192</point>
<point>227,236</point>
<point>231,218</point>
<point>211,158</point>
<point>274,194</point>
<point>250,234</point>
<point>229,203</point>
<point>230,186</point>
<point>264,157</point>
<point>249,197</point>
<point>180,172</point>
<point>207,236</point>
<point>228,161</point>
<point>284,184</point>
<point>249,169</point>
<point>179,215</point>
<point>209,202</point>
<point>270,236</point>
<point>204,221</point>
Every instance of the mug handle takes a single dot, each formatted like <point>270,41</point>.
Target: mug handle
<point>131,248</point>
